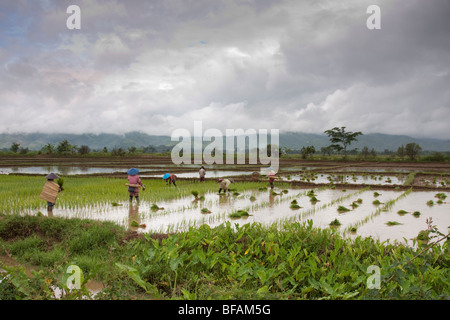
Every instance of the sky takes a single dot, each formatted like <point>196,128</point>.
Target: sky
<point>159,65</point>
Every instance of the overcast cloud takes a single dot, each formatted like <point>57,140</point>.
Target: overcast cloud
<point>156,66</point>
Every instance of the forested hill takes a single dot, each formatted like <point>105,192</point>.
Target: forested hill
<point>291,140</point>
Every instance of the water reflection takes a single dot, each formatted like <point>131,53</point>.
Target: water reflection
<point>61,170</point>
<point>73,170</point>
<point>134,220</point>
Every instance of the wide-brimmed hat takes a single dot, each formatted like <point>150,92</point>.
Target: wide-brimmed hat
<point>133,171</point>
<point>52,176</point>
<point>167,175</point>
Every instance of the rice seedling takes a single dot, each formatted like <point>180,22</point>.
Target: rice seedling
<point>238,214</point>
<point>155,207</point>
<point>386,207</point>
<point>441,196</point>
<point>205,210</point>
<point>60,182</point>
<point>392,223</point>
<point>195,194</point>
<point>416,213</point>
<point>402,212</point>
<point>377,202</point>
<point>430,203</point>
<point>335,223</point>
<point>409,181</point>
<point>294,206</point>
<point>134,224</point>
<point>342,209</point>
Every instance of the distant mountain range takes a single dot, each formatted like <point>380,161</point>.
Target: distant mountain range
<point>292,140</point>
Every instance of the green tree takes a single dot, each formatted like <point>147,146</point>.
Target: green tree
<point>401,152</point>
<point>15,147</point>
<point>48,148</point>
<point>64,147</point>
<point>84,149</point>
<point>412,150</point>
<point>365,152</point>
<point>326,150</point>
<point>340,139</point>
<point>306,151</point>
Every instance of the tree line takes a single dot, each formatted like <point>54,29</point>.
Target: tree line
<point>340,140</point>
<point>64,147</point>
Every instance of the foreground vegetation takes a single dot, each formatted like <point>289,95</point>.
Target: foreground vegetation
<point>295,261</point>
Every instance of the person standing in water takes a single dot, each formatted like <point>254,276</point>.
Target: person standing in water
<point>50,192</point>
<point>134,184</point>
<point>202,173</point>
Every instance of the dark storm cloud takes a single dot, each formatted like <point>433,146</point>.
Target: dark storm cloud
<point>292,65</point>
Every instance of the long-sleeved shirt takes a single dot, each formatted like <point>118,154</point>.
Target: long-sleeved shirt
<point>135,180</point>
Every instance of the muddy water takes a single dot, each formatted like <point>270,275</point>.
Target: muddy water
<point>410,225</point>
<point>74,170</point>
<point>62,170</point>
<point>368,179</point>
<point>266,208</point>
<point>209,174</point>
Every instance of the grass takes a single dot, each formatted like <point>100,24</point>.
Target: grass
<point>21,193</point>
<point>410,180</point>
<point>48,241</point>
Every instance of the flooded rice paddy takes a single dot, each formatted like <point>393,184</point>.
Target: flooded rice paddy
<point>359,216</point>
<point>363,218</point>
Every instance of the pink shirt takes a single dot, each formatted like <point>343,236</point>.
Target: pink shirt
<point>134,180</point>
